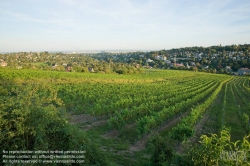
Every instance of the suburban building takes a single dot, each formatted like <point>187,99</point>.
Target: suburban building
<point>243,71</point>
<point>3,64</point>
<point>149,60</point>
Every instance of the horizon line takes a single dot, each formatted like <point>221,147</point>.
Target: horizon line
<point>112,50</point>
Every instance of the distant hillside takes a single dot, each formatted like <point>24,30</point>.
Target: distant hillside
<point>219,58</point>
<point>215,59</point>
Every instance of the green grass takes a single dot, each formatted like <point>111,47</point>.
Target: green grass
<point>232,119</point>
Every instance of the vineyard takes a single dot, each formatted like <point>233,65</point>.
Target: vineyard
<point>122,116</point>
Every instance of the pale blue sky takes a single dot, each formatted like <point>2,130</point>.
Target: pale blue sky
<point>74,25</point>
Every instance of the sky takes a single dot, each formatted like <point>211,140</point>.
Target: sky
<point>75,25</point>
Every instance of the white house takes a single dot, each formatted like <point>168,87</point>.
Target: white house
<point>167,61</point>
<point>205,67</point>
<point>149,60</point>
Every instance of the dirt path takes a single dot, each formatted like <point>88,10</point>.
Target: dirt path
<point>94,124</point>
<point>86,118</point>
<point>82,118</point>
<point>141,144</point>
<point>111,134</point>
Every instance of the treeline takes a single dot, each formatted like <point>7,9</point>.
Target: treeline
<point>64,62</point>
<point>213,49</point>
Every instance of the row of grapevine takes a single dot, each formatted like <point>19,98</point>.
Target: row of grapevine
<point>185,126</point>
<point>151,108</point>
<point>145,124</point>
<point>156,104</point>
<point>101,99</point>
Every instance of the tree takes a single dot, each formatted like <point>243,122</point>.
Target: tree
<point>221,70</point>
<point>235,67</point>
